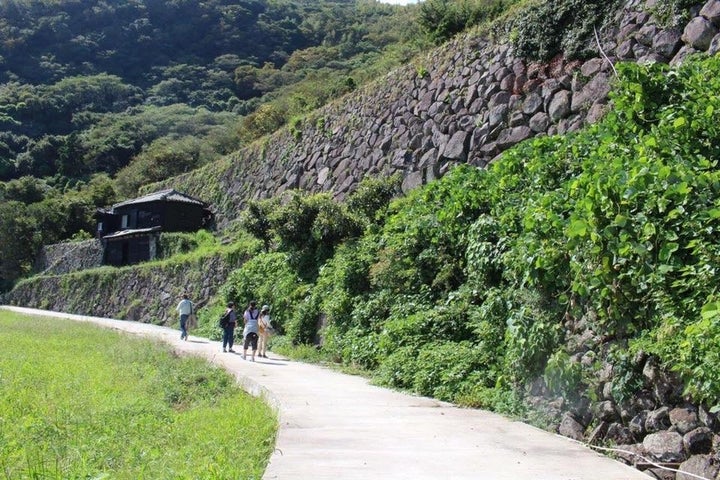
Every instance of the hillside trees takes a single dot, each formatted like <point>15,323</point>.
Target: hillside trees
<point>442,19</point>
<point>68,65</point>
<point>33,213</point>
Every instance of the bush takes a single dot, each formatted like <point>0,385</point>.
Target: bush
<point>398,368</point>
<point>304,324</point>
<point>531,337</point>
<point>563,375</point>
<point>176,243</point>
<point>699,355</point>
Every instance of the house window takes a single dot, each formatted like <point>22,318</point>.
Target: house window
<point>124,222</point>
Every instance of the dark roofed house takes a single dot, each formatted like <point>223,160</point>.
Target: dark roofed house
<point>130,229</point>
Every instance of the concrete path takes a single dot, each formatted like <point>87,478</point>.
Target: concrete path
<point>336,426</point>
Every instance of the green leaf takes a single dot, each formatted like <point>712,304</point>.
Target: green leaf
<point>710,310</point>
<point>667,250</point>
<point>578,228</point>
<point>679,122</point>
<point>648,230</point>
<point>714,213</point>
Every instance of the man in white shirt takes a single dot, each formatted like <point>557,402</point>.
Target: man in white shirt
<point>185,309</point>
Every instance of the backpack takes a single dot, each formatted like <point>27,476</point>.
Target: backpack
<point>224,320</point>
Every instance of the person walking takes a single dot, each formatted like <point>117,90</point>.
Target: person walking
<point>185,309</point>
<point>228,322</point>
<point>250,333</point>
<point>264,330</point>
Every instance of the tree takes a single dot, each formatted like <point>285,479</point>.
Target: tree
<point>19,241</point>
<point>25,189</point>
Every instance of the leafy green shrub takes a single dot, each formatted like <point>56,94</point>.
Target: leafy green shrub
<point>309,228</point>
<point>447,369</point>
<point>627,377</point>
<point>563,376</point>
<point>699,355</point>
<point>342,280</point>
<point>303,326</point>
<point>488,323</point>
<point>441,19</point>
<point>372,196</point>
<point>360,349</point>
<point>530,339</point>
<point>672,13</point>
<point>303,352</point>
<point>398,369</point>
<point>176,243</point>
<point>423,239</point>
<point>497,398</point>
<point>425,327</point>
<point>255,220</point>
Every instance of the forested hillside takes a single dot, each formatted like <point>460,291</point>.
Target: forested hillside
<point>101,70</point>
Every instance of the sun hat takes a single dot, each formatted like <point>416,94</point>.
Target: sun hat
<point>265,308</point>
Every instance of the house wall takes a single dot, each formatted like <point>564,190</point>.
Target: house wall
<point>183,217</point>
<point>130,250</point>
<point>144,215</point>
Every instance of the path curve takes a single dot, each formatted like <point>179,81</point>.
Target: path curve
<point>336,426</point>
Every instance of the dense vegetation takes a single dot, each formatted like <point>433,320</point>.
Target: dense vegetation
<point>468,288</point>
<point>94,404</point>
<point>87,86</point>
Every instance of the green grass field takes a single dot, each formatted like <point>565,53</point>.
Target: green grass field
<point>81,402</point>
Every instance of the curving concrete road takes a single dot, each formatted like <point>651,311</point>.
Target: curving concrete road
<point>336,426</point>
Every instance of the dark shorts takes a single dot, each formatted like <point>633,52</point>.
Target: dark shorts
<point>251,339</point>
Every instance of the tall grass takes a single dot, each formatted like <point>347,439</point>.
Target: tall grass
<point>78,401</point>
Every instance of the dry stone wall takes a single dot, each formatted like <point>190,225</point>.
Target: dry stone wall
<point>69,257</point>
<point>466,102</point>
<point>145,294</point>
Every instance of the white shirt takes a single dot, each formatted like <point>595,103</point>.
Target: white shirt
<point>185,307</point>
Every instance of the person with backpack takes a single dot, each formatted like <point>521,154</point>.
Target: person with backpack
<point>185,308</point>
<point>228,321</point>
<point>250,333</point>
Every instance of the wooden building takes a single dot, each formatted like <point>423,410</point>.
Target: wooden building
<point>130,230</point>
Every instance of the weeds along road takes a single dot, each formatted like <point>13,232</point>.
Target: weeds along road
<point>337,426</point>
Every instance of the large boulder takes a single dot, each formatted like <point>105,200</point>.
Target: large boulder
<point>665,446</point>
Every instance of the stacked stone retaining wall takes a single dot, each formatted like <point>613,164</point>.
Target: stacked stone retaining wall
<point>146,293</point>
<point>69,257</point>
<point>466,102</point>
